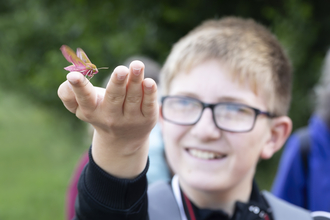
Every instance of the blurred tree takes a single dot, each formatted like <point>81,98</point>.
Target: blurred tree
<point>32,31</point>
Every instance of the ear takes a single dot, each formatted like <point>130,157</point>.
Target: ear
<point>280,130</point>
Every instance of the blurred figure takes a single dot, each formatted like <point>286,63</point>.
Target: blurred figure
<point>158,169</point>
<point>303,177</point>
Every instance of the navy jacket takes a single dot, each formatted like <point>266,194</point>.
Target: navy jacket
<point>291,180</point>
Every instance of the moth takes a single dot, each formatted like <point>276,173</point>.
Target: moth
<point>80,62</point>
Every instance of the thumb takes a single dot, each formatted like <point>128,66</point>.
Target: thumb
<point>84,90</point>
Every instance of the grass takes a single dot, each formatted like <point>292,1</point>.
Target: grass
<point>39,150</point>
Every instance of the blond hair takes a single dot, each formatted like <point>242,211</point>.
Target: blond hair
<point>248,49</point>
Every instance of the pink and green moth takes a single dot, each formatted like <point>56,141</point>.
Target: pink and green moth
<point>80,62</point>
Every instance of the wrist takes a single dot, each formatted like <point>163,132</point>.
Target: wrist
<point>119,157</point>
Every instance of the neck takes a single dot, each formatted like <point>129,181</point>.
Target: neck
<point>219,199</point>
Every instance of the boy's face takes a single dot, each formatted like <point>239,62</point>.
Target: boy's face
<point>238,153</point>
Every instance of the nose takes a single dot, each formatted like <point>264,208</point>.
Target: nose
<point>205,129</point>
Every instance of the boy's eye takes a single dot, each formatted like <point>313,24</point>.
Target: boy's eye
<point>240,110</point>
<point>183,102</point>
<point>180,103</point>
<point>234,112</point>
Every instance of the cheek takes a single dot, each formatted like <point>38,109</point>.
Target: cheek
<point>247,147</point>
<point>172,133</point>
<point>259,142</point>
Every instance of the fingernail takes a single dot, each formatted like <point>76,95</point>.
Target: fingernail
<point>136,71</point>
<point>121,75</point>
<point>148,84</point>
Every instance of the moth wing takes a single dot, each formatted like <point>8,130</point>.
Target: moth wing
<point>71,56</point>
<point>82,55</point>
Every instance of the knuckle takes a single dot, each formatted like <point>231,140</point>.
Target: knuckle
<point>84,115</point>
<point>66,99</point>
<point>135,80</point>
<point>116,99</point>
<point>113,123</point>
<point>87,114</point>
<point>134,99</point>
<point>150,104</point>
<point>71,107</point>
<point>79,115</point>
<point>118,82</point>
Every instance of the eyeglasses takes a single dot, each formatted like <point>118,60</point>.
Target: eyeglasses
<point>227,116</point>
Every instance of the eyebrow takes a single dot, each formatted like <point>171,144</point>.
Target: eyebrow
<point>221,99</point>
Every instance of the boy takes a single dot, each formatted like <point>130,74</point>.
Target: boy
<point>226,92</point>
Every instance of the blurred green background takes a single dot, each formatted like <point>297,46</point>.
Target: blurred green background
<point>41,141</point>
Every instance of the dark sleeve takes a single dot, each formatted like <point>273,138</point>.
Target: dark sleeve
<point>102,196</point>
<point>290,181</point>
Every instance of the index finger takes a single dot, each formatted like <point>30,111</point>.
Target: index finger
<point>116,90</point>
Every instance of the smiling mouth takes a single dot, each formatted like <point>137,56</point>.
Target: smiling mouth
<point>205,155</point>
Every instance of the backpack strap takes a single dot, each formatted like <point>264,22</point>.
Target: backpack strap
<point>304,138</point>
<point>162,203</point>
<point>283,210</point>
<point>305,146</point>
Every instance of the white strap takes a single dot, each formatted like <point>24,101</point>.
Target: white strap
<point>320,214</point>
<point>177,195</point>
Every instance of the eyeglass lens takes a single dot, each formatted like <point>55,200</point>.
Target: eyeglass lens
<point>227,116</point>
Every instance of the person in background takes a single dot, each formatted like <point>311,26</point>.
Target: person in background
<point>158,169</point>
<point>303,176</point>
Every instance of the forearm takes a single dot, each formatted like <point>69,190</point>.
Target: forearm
<point>102,196</point>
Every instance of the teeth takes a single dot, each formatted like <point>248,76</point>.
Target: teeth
<point>206,155</point>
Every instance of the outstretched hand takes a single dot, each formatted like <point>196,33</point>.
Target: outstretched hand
<point>122,115</point>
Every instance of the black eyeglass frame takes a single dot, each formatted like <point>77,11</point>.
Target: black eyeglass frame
<point>212,106</point>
